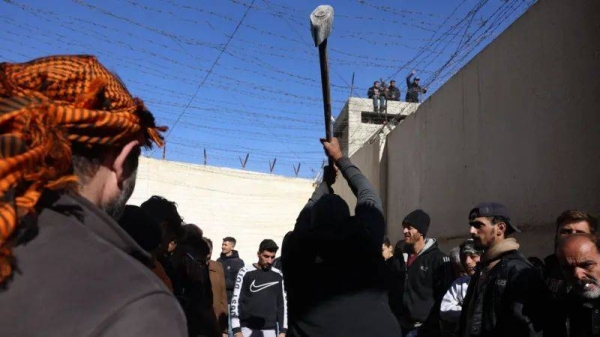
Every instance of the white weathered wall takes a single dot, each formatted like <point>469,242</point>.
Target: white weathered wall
<point>249,206</point>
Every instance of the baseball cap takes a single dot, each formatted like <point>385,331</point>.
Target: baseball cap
<point>491,209</point>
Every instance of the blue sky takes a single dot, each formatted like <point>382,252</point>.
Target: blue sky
<point>263,95</point>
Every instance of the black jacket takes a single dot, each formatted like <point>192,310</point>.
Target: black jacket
<point>83,275</point>
<point>231,266</point>
<point>377,92</point>
<point>558,309</point>
<point>393,93</point>
<point>335,273</point>
<point>510,302</point>
<point>259,300</point>
<point>413,90</point>
<point>427,280</point>
<point>395,278</point>
<point>584,317</point>
<point>195,290</point>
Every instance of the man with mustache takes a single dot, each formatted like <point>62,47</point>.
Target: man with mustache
<point>506,294</point>
<point>429,274</point>
<point>579,257</point>
<point>568,223</point>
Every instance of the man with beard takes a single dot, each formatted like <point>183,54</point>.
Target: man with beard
<point>429,274</point>
<point>259,306</point>
<point>568,223</point>
<point>579,258</point>
<point>452,302</point>
<point>70,142</point>
<point>506,295</point>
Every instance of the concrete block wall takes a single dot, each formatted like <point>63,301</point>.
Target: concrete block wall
<point>249,206</point>
<point>353,132</point>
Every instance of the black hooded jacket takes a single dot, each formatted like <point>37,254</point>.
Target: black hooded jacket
<point>427,280</point>
<point>231,266</point>
<point>334,272</point>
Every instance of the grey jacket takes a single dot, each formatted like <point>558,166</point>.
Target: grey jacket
<point>81,275</point>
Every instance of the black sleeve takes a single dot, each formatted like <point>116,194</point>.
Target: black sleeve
<point>408,81</point>
<point>239,264</point>
<point>443,277</point>
<point>369,208</point>
<point>370,92</point>
<point>442,280</point>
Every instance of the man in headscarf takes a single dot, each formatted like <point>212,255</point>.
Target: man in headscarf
<point>70,139</point>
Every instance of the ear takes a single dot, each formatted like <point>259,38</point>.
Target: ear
<point>501,228</point>
<point>119,163</point>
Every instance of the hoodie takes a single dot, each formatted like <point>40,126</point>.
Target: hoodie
<point>231,266</point>
<point>427,280</point>
<point>333,268</point>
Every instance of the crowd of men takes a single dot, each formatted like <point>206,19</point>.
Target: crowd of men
<point>381,93</point>
<point>75,260</point>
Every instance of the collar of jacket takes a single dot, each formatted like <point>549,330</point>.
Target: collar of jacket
<point>234,254</point>
<point>99,222</point>
<point>498,250</point>
<point>429,244</point>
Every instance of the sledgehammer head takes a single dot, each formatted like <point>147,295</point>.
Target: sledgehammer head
<point>321,20</point>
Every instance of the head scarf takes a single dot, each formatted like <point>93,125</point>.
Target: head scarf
<point>46,105</point>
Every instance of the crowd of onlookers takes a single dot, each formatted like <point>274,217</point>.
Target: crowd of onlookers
<point>381,93</point>
<point>75,260</point>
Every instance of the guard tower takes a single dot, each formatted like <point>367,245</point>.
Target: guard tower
<point>358,124</point>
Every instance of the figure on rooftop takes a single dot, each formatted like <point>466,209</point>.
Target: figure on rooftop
<point>413,88</point>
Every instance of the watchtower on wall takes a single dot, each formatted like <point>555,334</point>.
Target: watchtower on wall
<point>358,124</point>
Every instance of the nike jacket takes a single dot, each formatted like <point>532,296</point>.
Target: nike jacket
<point>259,300</point>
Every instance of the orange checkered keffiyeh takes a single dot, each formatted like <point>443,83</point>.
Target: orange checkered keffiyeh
<point>45,105</point>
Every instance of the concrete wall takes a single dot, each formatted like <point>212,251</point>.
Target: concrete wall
<point>224,202</point>
<point>519,124</point>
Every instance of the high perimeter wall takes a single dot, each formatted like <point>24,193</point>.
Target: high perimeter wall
<point>249,206</point>
<point>519,124</point>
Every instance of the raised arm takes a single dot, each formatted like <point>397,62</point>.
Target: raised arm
<point>408,80</point>
<point>368,204</point>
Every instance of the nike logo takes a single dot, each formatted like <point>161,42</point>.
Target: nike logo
<point>256,288</point>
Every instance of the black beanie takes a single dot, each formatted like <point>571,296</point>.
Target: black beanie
<point>419,220</point>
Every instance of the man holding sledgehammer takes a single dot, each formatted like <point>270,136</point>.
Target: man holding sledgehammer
<point>332,265</point>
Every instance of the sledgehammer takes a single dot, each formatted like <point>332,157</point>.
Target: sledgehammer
<point>321,20</point>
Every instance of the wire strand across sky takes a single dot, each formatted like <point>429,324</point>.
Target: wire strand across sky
<point>241,76</point>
